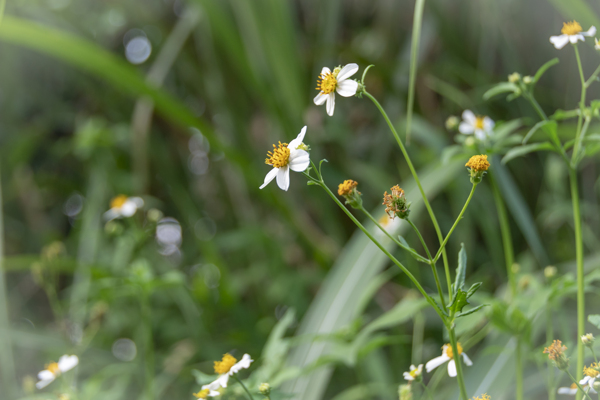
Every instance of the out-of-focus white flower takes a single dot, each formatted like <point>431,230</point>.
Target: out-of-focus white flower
<point>414,373</point>
<point>571,32</point>
<point>54,370</point>
<point>337,81</point>
<point>480,126</point>
<point>123,207</point>
<point>446,356</point>
<point>228,366</point>
<point>209,390</point>
<point>284,157</point>
<point>591,374</point>
<point>572,390</point>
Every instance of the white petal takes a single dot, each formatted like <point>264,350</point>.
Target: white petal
<point>559,41</point>
<point>347,88</point>
<point>436,362</point>
<point>467,360</point>
<point>567,390</point>
<point>585,380</point>
<point>138,201</point>
<point>128,208</point>
<point>408,376</point>
<point>111,214</point>
<point>283,178</point>
<point>300,162</point>
<point>330,103</point>
<point>420,369</point>
<point>46,375</point>
<point>488,124</point>
<point>221,381</point>
<point>299,139</point>
<point>480,134</point>
<point>44,383</point>
<point>469,117</point>
<point>590,32</point>
<point>214,385</point>
<point>66,363</point>
<point>452,368</point>
<point>213,393</point>
<point>347,72</point>
<point>325,70</point>
<point>466,128</point>
<point>320,98</point>
<point>575,38</point>
<point>244,363</point>
<point>270,176</point>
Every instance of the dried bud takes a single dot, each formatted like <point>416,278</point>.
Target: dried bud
<point>478,166</point>
<point>556,353</point>
<point>396,204</point>
<point>347,189</point>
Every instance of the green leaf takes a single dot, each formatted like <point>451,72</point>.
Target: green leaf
<point>594,319</point>
<point>471,311</point>
<point>503,130</point>
<point>544,68</point>
<point>548,126</point>
<point>473,289</point>
<point>529,148</point>
<point>560,115</point>
<point>461,270</point>
<point>459,302</point>
<point>502,87</point>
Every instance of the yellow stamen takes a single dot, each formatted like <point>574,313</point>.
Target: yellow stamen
<point>479,122</point>
<point>117,202</point>
<point>478,163</point>
<point>346,187</point>
<point>223,366</point>
<point>555,350</point>
<point>413,373</point>
<point>53,367</point>
<point>449,351</point>
<point>203,394</point>
<point>327,82</point>
<point>279,157</point>
<point>592,370</point>
<point>571,28</point>
<point>484,396</point>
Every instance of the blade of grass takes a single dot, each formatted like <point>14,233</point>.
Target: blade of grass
<point>414,54</point>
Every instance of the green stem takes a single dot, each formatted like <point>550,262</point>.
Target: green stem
<point>244,386</point>
<point>594,354</point>
<point>579,140</point>
<point>592,78</point>
<point>420,238</point>
<point>416,178</point>
<point>414,55</point>
<point>7,364</point>
<point>536,106</point>
<point>459,373</point>
<point>506,236</point>
<point>148,344</point>
<point>443,245</point>
<point>580,283</point>
<point>578,385</point>
<point>581,103</point>
<point>2,7</point>
<point>519,371</point>
<point>426,389</point>
<point>549,337</point>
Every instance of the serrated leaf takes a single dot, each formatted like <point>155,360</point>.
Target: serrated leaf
<point>473,289</point>
<point>471,311</point>
<point>544,68</point>
<point>529,148</point>
<point>594,319</point>
<point>500,88</point>
<point>461,270</point>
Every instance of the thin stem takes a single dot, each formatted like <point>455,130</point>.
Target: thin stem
<point>416,178</point>
<point>581,103</point>
<point>459,373</point>
<point>536,106</point>
<point>148,344</point>
<point>579,139</point>
<point>519,371</point>
<point>592,78</point>
<point>426,389</point>
<point>414,55</point>
<point>578,385</point>
<point>244,386</point>
<point>593,353</point>
<point>549,336</point>
<point>420,238</point>
<point>2,7</point>
<point>443,245</point>
<point>580,283</point>
<point>506,236</point>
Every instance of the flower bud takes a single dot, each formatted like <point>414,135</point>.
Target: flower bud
<point>452,123</point>
<point>550,271</point>
<point>347,189</point>
<point>478,166</point>
<point>588,340</point>
<point>154,215</point>
<point>404,392</point>
<point>264,389</point>
<point>514,77</point>
<point>596,384</point>
<point>556,353</point>
<point>527,80</point>
<point>396,204</point>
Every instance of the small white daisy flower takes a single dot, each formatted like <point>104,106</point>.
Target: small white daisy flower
<point>123,207</point>
<point>446,356</point>
<point>209,390</point>
<point>228,366</point>
<point>571,32</point>
<point>480,126</point>
<point>572,390</point>
<point>414,373</point>
<point>54,370</point>
<point>591,374</point>
<point>336,81</point>
<point>285,157</point>
<point>597,44</point>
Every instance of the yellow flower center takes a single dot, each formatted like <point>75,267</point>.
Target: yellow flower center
<point>571,28</point>
<point>203,394</point>
<point>346,187</point>
<point>53,367</point>
<point>484,396</point>
<point>327,82</point>
<point>479,122</point>
<point>449,351</point>
<point>413,373</point>
<point>223,366</point>
<point>117,202</point>
<point>478,163</point>
<point>591,371</point>
<point>279,157</point>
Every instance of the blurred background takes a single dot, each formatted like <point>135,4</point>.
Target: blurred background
<point>178,102</point>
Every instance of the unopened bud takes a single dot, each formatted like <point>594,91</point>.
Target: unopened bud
<point>588,339</point>
<point>527,80</point>
<point>154,215</point>
<point>550,271</point>
<point>404,392</point>
<point>264,389</point>
<point>452,122</point>
<point>514,77</point>
<point>478,166</point>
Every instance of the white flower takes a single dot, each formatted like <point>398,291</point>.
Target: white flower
<point>336,81</point>
<point>227,367</point>
<point>285,157</point>
<point>446,356</point>
<point>572,390</point>
<point>597,44</point>
<point>414,373</point>
<point>53,370</point>
<point>390,225</point>
<point>209,390</point>
<point>123,207</point>
<point>591,374</point>
<point>571,32</point>
<point>481,126</point>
